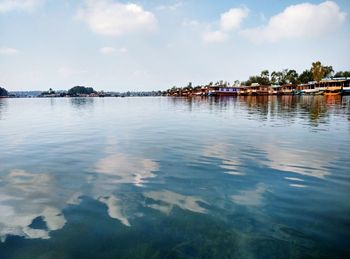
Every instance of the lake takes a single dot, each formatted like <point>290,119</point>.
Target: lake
<point>158,177</point>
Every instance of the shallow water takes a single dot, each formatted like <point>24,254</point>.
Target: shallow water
<point>246,177</point>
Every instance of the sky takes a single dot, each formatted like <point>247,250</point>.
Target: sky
<point>137,45</point>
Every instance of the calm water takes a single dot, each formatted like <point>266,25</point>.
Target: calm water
<point>175,178</point>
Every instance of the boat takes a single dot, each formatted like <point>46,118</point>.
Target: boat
<point>297,92</point>
<point>223,91</point>
<point>330,92</point>
<point>320,92</point>
<point>309,91</point>
<point>333,90</point>
<point>345,90</point>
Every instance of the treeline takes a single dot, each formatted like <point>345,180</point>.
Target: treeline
<point>316,72</point>
<point>3,92</point>
<point>74,91</point>
<point>291,76</point>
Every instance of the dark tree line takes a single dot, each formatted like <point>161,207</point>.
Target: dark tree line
<point>291,76</point>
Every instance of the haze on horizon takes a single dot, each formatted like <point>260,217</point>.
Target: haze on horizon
<point>153,45</point>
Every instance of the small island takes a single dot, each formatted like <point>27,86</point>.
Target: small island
<point>3,92</point>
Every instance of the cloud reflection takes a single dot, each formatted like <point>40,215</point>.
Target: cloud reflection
<point>223,152</point>
<point>24,197</point>
<point>167,200</point>
<point>127,169</point>
<point>252,197</point>
<point>115,209</point>
<point>304,162</point>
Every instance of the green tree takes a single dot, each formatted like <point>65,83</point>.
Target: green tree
<point>318,71</point>
<point>342,74</point>
<point>80,90</point>
<point>328,71</point>
<point>279,77</point>
<point>264,77</point>
<point>305,77</point>
<point>292,77</point>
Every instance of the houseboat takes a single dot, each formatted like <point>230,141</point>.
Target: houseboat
<point>287,89</point>
<point>249,89</point>
<point>223,91</point>
<point>345,90</point>
<point>309,88</point>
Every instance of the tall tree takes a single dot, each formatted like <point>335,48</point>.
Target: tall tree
<point>328,71</point>
<point>264,77</point>
<point>279,77</point>
<point>342,74</point>
<point>292,77</point>
<point>305,77</point>
<point>318,71</point>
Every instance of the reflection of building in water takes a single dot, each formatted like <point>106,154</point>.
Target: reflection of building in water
<point>258,105</point>
<point>286,107</point>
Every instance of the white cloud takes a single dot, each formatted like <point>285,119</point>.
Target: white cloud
<point>297,21</point>
<point>114,19</point>
<point>12,5</point>
<point>107,50</point>
<point>189,23</point>
<point>123,50</point>
<point>214,36</point>
<point>172,7</point>
<point>111,50</point>
<point>230,20</point>
<point>233,18</point>
<point>8,51</point>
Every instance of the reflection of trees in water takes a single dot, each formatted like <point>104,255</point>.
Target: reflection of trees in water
<point>286,107</point>
<point>81,102</point>
<point>200,102</point>
<point>3,106</point>
<point>256,105</point>
<point>315,108</point>
<point>346,105</point>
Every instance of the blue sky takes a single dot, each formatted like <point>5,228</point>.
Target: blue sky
<point>150,45</point>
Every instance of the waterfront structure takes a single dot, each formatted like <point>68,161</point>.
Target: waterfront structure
<point>223,91</point>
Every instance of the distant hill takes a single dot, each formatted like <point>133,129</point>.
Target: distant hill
<point>3,92</point>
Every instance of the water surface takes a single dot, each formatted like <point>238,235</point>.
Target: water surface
<point>246,177</point>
